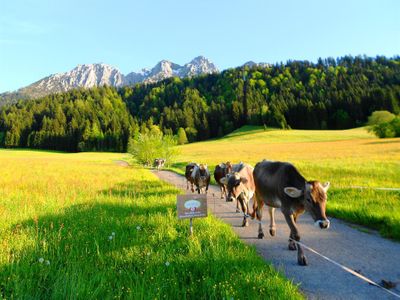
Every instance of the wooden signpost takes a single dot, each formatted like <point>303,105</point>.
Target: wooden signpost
<point>191,206</point>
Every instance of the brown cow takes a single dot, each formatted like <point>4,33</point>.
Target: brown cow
<point>240,186</point>
<point>280,185</point>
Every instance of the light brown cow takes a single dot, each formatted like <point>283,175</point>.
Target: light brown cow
<point>240,186</point>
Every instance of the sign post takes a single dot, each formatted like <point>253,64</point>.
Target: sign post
<point>191,206</point>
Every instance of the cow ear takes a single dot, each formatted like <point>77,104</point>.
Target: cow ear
<point>326,186</point>
<point>243,180</point>
<point>292,192</point>
<point>224,180</point>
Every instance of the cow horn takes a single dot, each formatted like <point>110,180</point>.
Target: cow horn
<point>326,186</point>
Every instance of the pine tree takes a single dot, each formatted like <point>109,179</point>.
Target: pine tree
<point>182,138</point>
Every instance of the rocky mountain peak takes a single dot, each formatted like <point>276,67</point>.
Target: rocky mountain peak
<point>99,74</point>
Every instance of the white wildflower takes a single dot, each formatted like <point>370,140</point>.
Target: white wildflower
<point>113,233</point>
<point>148,253</point>
<point>41,260</point>
<point>138,227</point>
<point>167,263</point>
<point>110,237</point>
<point>47,262</point>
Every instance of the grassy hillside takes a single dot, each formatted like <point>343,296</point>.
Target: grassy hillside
<point>80,226</point>
<point>346,158</point>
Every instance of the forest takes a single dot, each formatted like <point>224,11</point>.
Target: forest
<point>329,94</point>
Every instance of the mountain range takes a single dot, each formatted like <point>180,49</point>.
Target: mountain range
<point>90,75</point>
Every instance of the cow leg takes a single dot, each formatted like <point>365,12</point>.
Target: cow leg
<point>272,225</point>
<point>247,213</point>
<point>221,187</point>
<point>187,184</point>
<point>237,205</point>
<point>244,210</point>
<point>297,213</point>
<point>259,214</point>
<point>223,191</point>
<point>294,234</point>
<point>192,187</point>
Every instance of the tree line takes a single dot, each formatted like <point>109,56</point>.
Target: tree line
<point>329,94</point>
<point>78,120</point>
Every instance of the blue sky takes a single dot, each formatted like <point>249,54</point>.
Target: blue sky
<point>39,38</point>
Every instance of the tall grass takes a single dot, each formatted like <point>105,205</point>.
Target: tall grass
<point>78,226</point>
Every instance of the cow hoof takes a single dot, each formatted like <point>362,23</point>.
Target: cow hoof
<point>237,210</point>
<point>302,260</point>
<point>272,232</point>
<point>292,246</point>
<point>222,197</point>
<point>260,235</point>
<point>245,223</point>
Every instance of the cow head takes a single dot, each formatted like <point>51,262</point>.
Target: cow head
<point>314,198</point>
<point>235,185</point>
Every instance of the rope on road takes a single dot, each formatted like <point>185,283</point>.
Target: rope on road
<point>374,188</point>
<point>362,277</point>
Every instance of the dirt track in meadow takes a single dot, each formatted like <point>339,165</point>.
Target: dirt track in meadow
<point>367,253</point>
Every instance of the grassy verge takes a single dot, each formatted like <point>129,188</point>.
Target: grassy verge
<point>80,226</point>
<point>379,210</point>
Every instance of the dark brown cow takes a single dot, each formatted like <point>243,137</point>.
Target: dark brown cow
<point>188,174</point>
<point>240,187</point>
<point>201,177</point>
<point>219,173</point>
<point>280,185</point>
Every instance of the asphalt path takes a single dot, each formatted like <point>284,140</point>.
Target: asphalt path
<point>357,248</point>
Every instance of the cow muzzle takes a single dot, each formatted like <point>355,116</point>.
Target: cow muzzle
<point>230,199</point>
<point>323,224</point>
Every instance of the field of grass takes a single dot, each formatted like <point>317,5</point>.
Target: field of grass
<point>79,226</point>
<point>346,158</point>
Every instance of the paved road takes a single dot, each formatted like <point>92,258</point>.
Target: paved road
<point>367,253</point>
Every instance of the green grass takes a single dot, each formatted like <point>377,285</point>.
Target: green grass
<point>64,207</point>
<point>374,209</point>
<point>346,158</point>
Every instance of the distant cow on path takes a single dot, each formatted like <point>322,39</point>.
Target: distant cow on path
<point>201,177</point>
<point>159,163</point>
<point>280,185</point>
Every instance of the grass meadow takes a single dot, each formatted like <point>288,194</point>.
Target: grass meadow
<point>80,226</point>
<point>346,158</point>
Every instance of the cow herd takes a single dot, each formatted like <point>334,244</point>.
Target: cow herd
<point>274,184</point>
